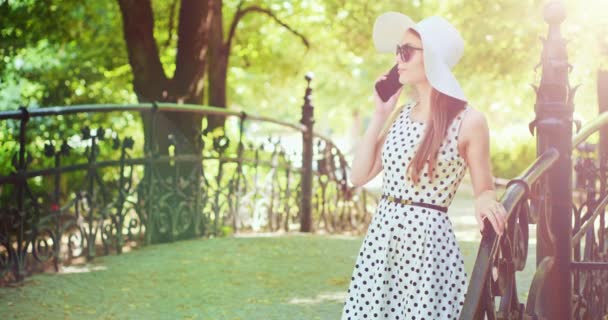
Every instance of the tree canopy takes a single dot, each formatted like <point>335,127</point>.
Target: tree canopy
<point>75,52</point>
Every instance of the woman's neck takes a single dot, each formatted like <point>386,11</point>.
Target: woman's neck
<point>424,98</point>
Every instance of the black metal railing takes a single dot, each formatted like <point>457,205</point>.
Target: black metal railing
<point>571,278</point>
<point>86,191</point>
<point>497,261</point>
<point>528,202</point>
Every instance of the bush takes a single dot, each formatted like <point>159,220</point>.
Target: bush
<point>512,150</point>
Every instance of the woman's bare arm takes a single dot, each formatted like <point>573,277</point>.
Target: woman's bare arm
<point>477,136</point>
<point>367,162</point>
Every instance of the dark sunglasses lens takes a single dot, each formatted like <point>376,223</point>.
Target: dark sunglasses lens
<point>405,52</point>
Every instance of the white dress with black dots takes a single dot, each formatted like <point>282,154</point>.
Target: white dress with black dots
<point>409,265</point>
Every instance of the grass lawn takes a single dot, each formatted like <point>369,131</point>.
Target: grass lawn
<point>287,277</point>
<point>295,276</point>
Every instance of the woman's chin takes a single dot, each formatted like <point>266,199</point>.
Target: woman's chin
<point>403,80</point>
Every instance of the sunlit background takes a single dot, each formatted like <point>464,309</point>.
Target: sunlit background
<point>76,54</point>
<point>73,52</point>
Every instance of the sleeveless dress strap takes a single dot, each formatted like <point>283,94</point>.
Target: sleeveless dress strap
<point>457,122</point>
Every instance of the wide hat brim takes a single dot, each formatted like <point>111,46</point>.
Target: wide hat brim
<point>388,32</point>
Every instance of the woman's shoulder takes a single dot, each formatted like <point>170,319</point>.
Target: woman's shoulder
<point>472,116</point>
<point>473,123</point>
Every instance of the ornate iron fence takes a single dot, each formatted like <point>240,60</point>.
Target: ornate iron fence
<point>571,278</point>
<point>98,190</point>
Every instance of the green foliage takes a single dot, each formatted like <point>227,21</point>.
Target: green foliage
<point>510,157</point>
<point>62,54</point>
<point>227,231</point>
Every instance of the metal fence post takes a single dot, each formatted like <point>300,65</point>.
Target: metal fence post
<point>307,152</point>
<point>602,99</point>
<point>21,164</point>
<point>554,108</point>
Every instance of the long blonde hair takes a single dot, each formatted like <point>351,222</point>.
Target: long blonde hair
<point>443,111</point>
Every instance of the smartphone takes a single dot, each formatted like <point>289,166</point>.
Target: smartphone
<point>388,87</point>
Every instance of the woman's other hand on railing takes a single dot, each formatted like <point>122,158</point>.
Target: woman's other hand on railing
<point>486,207</point>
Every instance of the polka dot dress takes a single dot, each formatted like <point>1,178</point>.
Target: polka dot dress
<point>409,265</point>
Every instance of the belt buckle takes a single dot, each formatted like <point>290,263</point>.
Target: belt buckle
<point>394,199</point>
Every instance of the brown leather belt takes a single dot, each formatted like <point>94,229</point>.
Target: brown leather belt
<point>413,203</point>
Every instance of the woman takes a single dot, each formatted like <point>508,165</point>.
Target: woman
<point>409,265</point>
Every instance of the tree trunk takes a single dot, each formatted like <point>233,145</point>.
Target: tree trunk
<point>200,45</point>
<point>151,84</point>
<point>149,80</point>
<point>218,66</point>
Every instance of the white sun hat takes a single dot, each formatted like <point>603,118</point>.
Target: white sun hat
<point>441,43</point>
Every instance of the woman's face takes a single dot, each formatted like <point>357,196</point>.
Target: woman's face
<point>411,71</point>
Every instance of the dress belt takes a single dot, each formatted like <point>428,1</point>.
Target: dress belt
<point>410,202</point>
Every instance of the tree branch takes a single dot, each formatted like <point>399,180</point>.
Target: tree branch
<point>240,13</point>
<point>235,21</point>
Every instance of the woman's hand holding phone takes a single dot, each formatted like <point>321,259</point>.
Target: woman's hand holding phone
<point>384,108</point>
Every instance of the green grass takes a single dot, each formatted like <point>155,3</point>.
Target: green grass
<point>295,276</point>
<point>287,277</point>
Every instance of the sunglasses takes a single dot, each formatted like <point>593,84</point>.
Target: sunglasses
<point>405,52</point>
